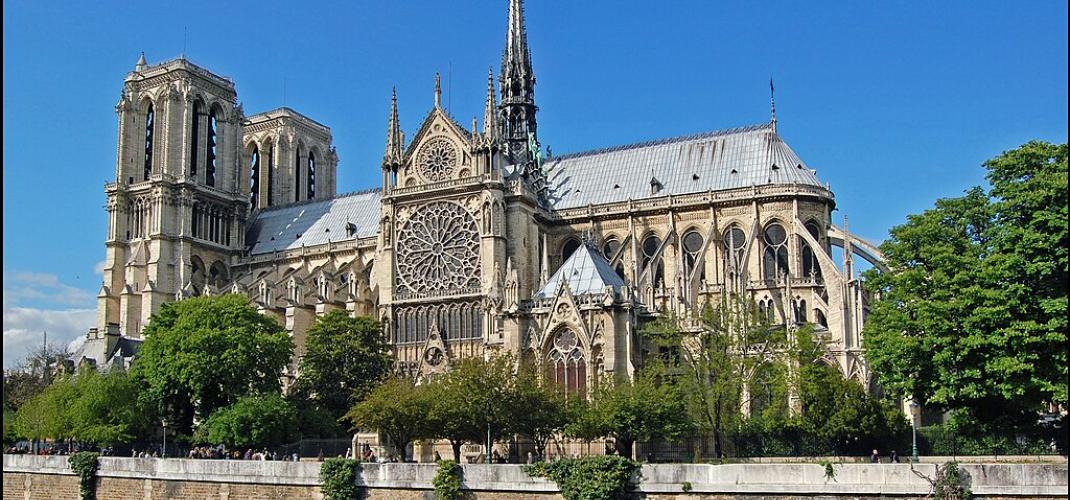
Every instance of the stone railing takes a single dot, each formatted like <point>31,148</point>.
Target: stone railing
<point>992,480</point>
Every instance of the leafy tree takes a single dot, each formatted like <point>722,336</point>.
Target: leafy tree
<point>203,353</point>
<point>250,422</point>
<point>9,427</point>
<point>397,408</point>
<point>584,422</point>
<point>972,316</point>
<point>543,410</point>
<point>46,416</point>
<point>640,410</point>
<point>106,411</point>
<point>344,358</point>
<point>840,418</point>
<point>475,398</point>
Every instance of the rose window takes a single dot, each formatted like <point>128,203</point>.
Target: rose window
<point>437,160</point>
<point>438,249</point>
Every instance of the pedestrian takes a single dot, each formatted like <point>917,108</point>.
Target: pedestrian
<point>531,458</point>
<point>875,457</point>
<point>438,458</point>
<point>894,458</point>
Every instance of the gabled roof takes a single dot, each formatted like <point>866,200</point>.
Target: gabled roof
<point>585,271</point>
<point>711,161</point>
<point>314,222</point>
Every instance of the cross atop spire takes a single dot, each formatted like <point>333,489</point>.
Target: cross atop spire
<point>772,105</point>
<point>438,90</point>
<point>394,139</point>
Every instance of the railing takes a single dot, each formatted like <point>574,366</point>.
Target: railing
<point>450,183</point>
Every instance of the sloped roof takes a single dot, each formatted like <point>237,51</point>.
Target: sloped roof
<point>585,271</point>
<point>314,222</point>
<point>711,161</point>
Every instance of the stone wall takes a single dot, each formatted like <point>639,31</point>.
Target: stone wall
<point>142,479</point>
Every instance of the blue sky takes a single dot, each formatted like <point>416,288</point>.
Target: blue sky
<point>895,104</point>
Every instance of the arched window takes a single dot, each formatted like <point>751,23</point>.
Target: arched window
<point>150,125</point>
<point>734,241</point>
<point>567,365</point>
<point>651,244</point>
<point>810,265</point>
<point>775,255</point>
<point>271,176</point>
<point>297,173</point>
<point>800,312</point>
<point>209,165</point>
<point>195,223</point>
<point>254,179</point>
<point>569,248</point>
<point>692,243</point>
<point>609,250</point>
<point>311,175</point>
<point>195,137</point>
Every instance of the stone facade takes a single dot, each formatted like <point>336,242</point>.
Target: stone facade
<point>476,242</point>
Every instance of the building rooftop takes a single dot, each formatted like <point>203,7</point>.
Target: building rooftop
<point>345,217</point>
<point>585,271</point>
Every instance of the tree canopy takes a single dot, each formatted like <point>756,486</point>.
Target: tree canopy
<point>972,314</point>
<point>97,408</point>
<point>204,353</point>
<point>397,408</point>
<point>251,421</point>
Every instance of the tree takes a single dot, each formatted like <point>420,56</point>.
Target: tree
<point>204,353</point>
<point>972,314</point>
<point>474,401</point>
<point>106,411</point>
<point>46,415</point>
<point>253,421</point>
<point>640,410</point>
<point>584,422</point>
<point>31,375</point>
<point>542,411</point>
<point>397,408</point>
<point>344,358</point>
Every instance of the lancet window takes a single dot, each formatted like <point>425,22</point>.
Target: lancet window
<point>254,178</point>
<point>150,127</point>
<point>210,163</point>
<point>775,255</point>
<point>650,247</point>
<point>311,175</point>
<point>692,244</point>
<point>566,364</point>
<point>734,242</point>
<point>454,321</point>
<point>810,265</point>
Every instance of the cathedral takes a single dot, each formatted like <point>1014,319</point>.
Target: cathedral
<point>476,241</point>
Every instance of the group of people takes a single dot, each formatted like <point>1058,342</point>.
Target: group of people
<point>893,457</point>
<point>221,453</point>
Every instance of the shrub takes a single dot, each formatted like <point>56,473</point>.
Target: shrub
<point>589,478</point>
<point>339,478</point>
<point>85,464</point>
<point>447,480</point>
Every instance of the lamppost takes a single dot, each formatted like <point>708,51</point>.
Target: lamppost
<point>914,430</point>
<point>164,453</point>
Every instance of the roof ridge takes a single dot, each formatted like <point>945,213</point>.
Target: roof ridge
<point>667,140</point>
<point>318,200</point>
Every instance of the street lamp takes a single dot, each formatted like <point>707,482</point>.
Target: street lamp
<point>164,453</point>
<point>914,430</point>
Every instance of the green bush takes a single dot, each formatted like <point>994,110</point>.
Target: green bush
<point>85,464</point>
<point>447,480</point>
<point>589,478</point>
<point>950,483</point>
<point>339,478</point>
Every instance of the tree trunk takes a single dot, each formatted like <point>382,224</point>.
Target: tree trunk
<point>624,447</point>
<point>456,445</point>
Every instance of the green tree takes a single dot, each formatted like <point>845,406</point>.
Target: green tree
<point>203,353</point>
<point>250,422</point>
<point>584,422</point>
<point>542,410</point>
<point>397,408</point>
<point>640,410</point>
<point>47,415</point>
<point>344,358</point>
<point>475,398</point>
<point>972,315</point>
<point>106,411</point>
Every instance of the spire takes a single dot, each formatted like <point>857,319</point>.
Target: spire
<point>490,110</point>
<point>438,91</point>
<point>772,105</point>
<point>517,79</point>
<point>517,56</point>
<point>394,138</point>
<point>141,64</point>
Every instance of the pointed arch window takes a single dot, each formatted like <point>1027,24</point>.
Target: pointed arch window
<point>150,127</point>
<point>651,244</point>
<point>692,244</point>
<point>734,242</point>
<point>569,248</point>
<point>810,265</point>
<point>609,250</point>
<point>271,176</point>
<point>567,365</point>
<point>311,175</point>
<point>254,178</point>
<point>297,173</point>
<point>195,137</point>
<point>209,164</point>
<point>775,255</point>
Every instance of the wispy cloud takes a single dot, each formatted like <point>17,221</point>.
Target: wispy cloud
<point>39,302</point>
<point>35,288</point>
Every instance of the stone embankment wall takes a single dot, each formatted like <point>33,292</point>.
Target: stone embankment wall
<point>145,478</point>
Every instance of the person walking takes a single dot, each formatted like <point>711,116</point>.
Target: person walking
<point>893,458</point>
<point>875,457</point>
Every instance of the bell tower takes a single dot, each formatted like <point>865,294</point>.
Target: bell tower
<point>176,212</point>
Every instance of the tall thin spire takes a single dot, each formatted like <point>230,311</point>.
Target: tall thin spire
<point>772,105</point>
<point>490,109</point>
<point>438,91</point>
<point>394,138</point>
<point>517,79</point>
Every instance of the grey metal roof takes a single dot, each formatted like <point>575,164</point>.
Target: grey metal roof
<point>314,222</point>
<point>718,160</point>
<point>585,271</point>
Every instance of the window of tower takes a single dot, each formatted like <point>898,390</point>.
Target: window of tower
<point>297,173</point>
<point>195,137</point>
<point>569,248</point>
<point>209,165</point>
<point>254,178</point>
<point>271,176</point>
<point>775,255</point>
<point>311,175</point>
<point>692,243</point>
<point>150,125</point>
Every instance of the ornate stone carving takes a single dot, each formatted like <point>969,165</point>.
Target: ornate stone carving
<point>437,160</point>
<point>438,249</point>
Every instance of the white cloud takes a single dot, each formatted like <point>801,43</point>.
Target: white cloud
<point>99,267</point>
<point>39,302</point>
